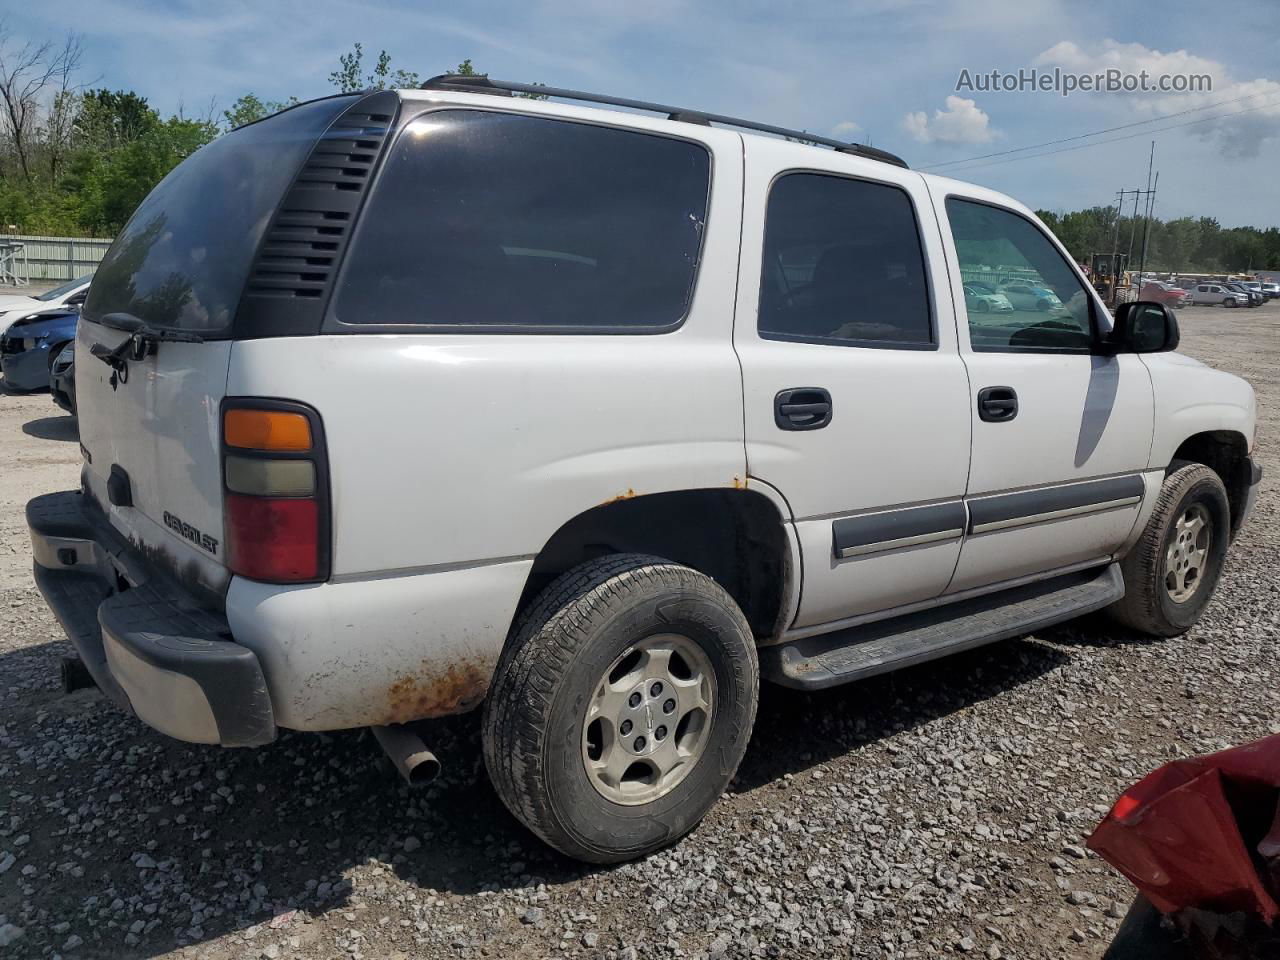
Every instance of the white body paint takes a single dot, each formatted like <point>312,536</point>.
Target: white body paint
<point>454,458</point>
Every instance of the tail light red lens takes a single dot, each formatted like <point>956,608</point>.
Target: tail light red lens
<point>275,491</point>
<point>273,539</point>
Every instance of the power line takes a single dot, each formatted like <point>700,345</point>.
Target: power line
<point>1130,136</point>
<point>1098,133</point>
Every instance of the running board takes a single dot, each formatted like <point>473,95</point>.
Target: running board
<point>813,663</point>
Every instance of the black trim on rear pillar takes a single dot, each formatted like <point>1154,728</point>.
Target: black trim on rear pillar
<point>1032,506</point>
<point>912,526</point>
<point>292,274</point>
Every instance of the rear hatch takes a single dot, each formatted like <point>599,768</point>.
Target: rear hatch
<point>180,268</point>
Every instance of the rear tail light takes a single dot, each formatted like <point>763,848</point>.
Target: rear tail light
<point>275,491</point>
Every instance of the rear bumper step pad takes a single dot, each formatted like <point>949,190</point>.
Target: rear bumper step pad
<point>151,649</point>
<point>814,663</point>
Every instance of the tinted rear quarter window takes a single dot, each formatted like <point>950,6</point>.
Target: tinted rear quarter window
<point>182,259</point>
<point>491,221</point>
<point>843,264</point>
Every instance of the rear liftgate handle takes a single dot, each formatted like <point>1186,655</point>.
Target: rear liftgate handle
<point>997,404</point>
<point>802,408</point>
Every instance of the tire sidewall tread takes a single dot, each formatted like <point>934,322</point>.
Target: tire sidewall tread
<point>560,647</point>
<point>1147,606</point>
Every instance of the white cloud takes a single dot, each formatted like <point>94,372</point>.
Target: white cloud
<point>961,122</point>
<point>1247,112</point>
<point>846,130</point>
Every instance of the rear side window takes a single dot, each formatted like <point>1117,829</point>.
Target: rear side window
<point>496,221</point>
<point>182,260</point>
<point>843,265</point>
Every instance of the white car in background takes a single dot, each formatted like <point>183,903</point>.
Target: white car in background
<point>1025,295</point>
<point>71,293</point>
<point>1217,293</point>
<point>982,299</point>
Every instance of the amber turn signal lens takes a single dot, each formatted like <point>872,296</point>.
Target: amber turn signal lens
<point>266,430</point>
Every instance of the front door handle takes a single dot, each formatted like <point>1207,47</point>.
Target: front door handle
<point>802,408</point>
<point>997,404</point>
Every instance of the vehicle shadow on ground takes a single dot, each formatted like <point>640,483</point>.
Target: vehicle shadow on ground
<point>795,731</point>
<point>312,821</point>
<point>65,428</point>
<point>7,391</point>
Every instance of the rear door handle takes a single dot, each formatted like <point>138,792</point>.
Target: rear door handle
<point>997,404</point>
<point>802,408</point>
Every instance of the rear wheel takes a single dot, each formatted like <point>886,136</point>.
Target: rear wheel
<point>621,707</point>
<point>1171,572</point>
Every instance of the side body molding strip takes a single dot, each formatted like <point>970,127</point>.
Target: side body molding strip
<point>1036,506</point>
<point>872,533</point>
<point>912,526</point>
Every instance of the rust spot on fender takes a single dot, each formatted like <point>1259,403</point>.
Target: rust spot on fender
<point>622,496</point>
<point>739,483</point>
<point>437,692</point>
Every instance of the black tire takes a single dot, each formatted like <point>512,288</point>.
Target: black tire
<point>1147,605</point>
<point>536,708</point>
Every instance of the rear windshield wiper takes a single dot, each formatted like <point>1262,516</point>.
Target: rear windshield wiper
<point>143,330</point>
<point>139,344</point>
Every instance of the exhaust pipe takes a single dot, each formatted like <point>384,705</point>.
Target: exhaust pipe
<point>404,748</point>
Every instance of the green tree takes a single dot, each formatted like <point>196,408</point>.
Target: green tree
<point>112,188</point>
<point>347,78</point>
<point>249,109</point>
<point>108,120</point>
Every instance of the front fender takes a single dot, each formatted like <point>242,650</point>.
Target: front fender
<point>1192,398</point>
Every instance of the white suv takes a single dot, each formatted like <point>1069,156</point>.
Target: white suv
<point>397,404</point>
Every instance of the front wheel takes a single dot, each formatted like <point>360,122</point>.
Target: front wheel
<point>621,707</point>
<point>1171,572</point>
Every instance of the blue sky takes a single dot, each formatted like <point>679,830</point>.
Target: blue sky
<point>881,69</point>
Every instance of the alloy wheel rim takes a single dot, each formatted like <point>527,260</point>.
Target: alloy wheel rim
<point>649,719</point>
<point>1187,554</point>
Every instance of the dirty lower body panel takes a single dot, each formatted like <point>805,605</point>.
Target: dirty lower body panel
<point>148,645</point>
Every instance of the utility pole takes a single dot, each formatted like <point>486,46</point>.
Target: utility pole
<point>1151,207</point>
<point>1133,225</point>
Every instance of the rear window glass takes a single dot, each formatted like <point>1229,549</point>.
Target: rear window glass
<point>182,259</point>
<point>496,220</point>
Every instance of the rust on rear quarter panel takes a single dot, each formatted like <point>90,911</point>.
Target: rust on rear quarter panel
<point>438,693</point>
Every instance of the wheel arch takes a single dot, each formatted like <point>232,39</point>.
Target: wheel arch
<point>741,538</point>
<point>1226,453</point>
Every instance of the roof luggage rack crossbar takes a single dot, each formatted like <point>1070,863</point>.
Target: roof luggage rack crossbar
<point>476,84</point>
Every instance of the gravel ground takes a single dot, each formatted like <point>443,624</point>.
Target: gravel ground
<point>939,810</point>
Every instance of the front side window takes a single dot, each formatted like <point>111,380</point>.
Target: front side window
<point>1032,300</point>
<point>843,265</point>
<point>500,221</point>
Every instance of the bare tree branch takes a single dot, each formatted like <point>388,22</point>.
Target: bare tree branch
<point>26,74</point>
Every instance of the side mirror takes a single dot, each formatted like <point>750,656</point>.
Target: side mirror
<point>1144,327</point>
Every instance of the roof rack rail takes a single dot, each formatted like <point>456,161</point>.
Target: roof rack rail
<point>477,84</point>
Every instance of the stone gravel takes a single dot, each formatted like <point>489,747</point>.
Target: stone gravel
<point>941,810</point>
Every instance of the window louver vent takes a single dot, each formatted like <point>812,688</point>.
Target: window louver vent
<point>299,255</point>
